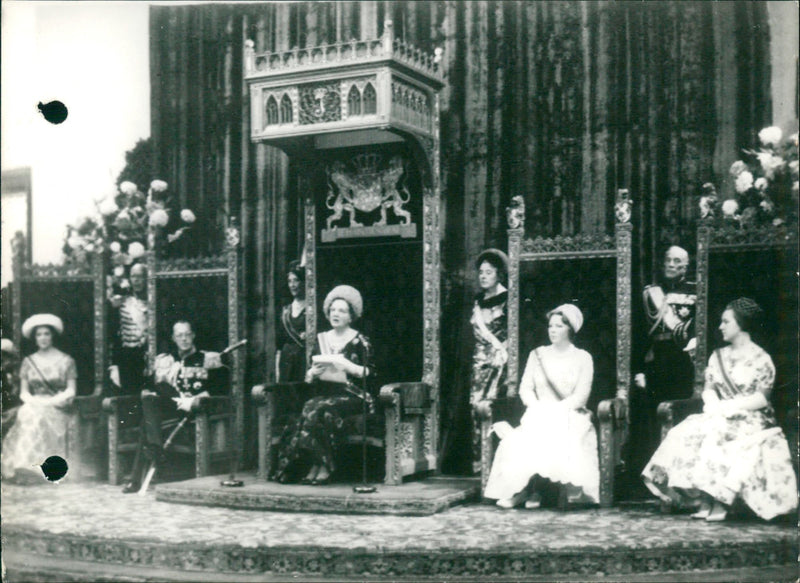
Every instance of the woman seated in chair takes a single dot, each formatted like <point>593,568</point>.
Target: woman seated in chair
<point>341,362</point>
<point>555,440</point>
<point>734,448</point>
<point>47,388</point>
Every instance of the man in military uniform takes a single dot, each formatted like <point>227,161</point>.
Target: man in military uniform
<point>129,335</point>
<point>180,380</point>
<point>667,369</point>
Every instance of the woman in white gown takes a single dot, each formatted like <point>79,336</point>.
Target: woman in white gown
<point>555,439</point>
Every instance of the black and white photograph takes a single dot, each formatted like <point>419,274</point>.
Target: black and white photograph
<point>394,290</point>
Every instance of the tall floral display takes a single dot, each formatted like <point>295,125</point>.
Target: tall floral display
<point>122,226</point>
<point>765,183</point>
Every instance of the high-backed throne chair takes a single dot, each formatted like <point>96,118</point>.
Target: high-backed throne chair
<point>75,293</point>
<point>593,270</point>
<point>378,97</point>
<point>205,292</point>
<point>736,260</point>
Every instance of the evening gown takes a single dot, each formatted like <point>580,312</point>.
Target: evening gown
<point>741,455</point>
<point>40,431</point>
<point>552,441</point>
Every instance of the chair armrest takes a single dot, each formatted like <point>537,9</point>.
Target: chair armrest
<point>611,410</point>
<point>501,409</point>
<point>678,410</point>
<point>212,405</point>
<point>260,392</point>
<point>115,404</point>
<point>412,397</point>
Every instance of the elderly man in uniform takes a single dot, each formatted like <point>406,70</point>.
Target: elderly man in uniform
<point>181,379</point>
<point>667,370</point>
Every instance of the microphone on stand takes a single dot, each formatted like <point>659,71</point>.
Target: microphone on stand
<point>364,488</point>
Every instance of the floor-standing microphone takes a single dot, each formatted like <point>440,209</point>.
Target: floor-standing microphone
<point>364,488</point>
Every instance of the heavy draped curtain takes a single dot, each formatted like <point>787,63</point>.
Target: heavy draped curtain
<point>561,102</point>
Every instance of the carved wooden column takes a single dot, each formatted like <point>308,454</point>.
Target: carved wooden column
<point>623,234</point>
<point>516,231</point>
<point>704,234</point>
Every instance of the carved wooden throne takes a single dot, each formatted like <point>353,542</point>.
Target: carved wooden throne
<point>333,109</point>
<point>593,270</point>
<point>758,262</point>
<point>75,293</point>
<point>205,292</point>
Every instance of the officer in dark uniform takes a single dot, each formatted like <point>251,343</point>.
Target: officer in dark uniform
<point>179,380</point>
<point>667,370</point>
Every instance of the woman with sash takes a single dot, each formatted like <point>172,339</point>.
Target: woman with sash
<point>555,440</point>
<point>490,326</point>
<point>341,367</point>
<point>48,380</point>
<point>734,448</point>
<point>291,356</point>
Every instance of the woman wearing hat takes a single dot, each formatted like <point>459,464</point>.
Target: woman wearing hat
<point>342,360</point>
<point>47,388</point>
<point>734,449</point>
<point>555,439</point>
<point>291,356</point>
<point>490,326</point>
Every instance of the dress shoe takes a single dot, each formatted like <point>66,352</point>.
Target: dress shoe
<point>131,488</point>
<point>321,481</point>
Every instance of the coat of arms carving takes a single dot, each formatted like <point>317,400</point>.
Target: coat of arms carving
<point>366,188</point>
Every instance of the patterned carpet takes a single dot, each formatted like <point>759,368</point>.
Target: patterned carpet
<point>97,522</point>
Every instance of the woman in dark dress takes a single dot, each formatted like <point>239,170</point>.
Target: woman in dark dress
<point>291,356</point>
<point>341,362</point>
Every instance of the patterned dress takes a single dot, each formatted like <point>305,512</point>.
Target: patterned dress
<point>318,436</point>
<point>553,441</point>
<point>40,430</point>
<point>736,455</point>
<point>488,381</point>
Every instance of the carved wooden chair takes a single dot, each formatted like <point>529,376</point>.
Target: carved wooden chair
<point>595,271</point>
<point>205,292</point>
<point>757,262</point>
<point>75,293</point>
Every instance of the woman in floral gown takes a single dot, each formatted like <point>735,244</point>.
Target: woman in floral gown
<point>490,326</point>
<point>47,387</point>
<point>555,439</point>
<point>734,449</point>
<point>341,362</point>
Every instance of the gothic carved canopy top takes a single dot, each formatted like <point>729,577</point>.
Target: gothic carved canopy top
<point>366,84</point>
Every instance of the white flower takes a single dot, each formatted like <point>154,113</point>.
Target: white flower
<point>770,163</point>
<point>115,247</point>
<point>766,205</point>
<point>135,250</point>
<point>737,168</point>
<point>124,284</point>
<point>730,207</point>
<point>744,182</point>
<point>159,218</point>
<point>158,186</point>
<point>119,271</point>
<point>761,183</point>
<point>770,136</point>
<point>187,216</point>
<point>75,242</point>
<point>793,139</point>
<point>793,166</point>
<point>128,188</point>
<point>89,248</point>
<point>108,207</point>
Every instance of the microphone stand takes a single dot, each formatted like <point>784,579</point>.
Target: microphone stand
<point>233,481</point>
<point>364,488</point>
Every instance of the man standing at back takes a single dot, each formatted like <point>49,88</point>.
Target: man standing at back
<point>667,370</point>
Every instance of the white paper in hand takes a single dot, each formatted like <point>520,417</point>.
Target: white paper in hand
<point>502,429</point>
<point>334,371</point>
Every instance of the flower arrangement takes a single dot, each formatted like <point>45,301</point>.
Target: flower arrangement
<point>121,226</point>
<point>765,183</point>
